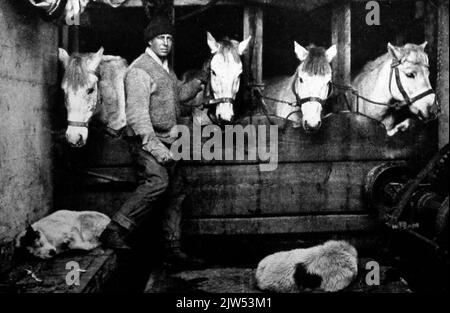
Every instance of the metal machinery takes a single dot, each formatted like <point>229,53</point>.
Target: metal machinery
<point>416,203</point>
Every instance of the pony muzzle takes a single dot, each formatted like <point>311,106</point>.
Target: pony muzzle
<point>311,115</point>
<point>426,109</point>
<point>311,127</point>
<point>76,135</point>
<point>224,111</point>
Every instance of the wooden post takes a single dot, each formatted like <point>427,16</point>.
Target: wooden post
<point>172,55</point>
<point>430,20</point>
<point>341,36</point>
<point>442,87</point>
<point>253,26</point>
<point>74,39</point>
<point>64,37</point>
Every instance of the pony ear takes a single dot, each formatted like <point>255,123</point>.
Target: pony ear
<point>243,45</point>
<point>212,43</point>
<point>394,51</point>
<point>301,52</point>
<point>95,59</point>
<point>331,53</point>
<point>424,45</point>
<point>63,57</point>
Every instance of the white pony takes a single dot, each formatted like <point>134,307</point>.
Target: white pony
<point>223,70</point>
<point>301,97</point>
<point>93,84</point>
<point>397,79</point>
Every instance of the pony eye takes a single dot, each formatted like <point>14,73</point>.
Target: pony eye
<point>410,75</point>
<point>90,91</point>
<point>213,73</point>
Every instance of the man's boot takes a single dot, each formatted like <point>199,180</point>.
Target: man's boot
<point>175,259</point>
<point>114,237</point>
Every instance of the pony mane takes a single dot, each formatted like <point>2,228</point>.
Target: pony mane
<point>372,65</point>
<point>228,47</point>
<point>411,52</point>
<point>76,73</point>
<point>316,62</point>
<point>415,54</point>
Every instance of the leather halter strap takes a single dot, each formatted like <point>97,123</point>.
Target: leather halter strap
<point>407,100</point>
<point>78,124</point>
<point>214,101</point>
<point>300,101</point>
<point>208,93</point>
<point>210,103</point>
<point>86,124</point>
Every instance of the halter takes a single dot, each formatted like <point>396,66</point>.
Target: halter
<point>78,124</point>
<point>208,95</point>
<point>407,101</point>
<point>397,104</point>
<point>86,124</point>
<point>300,101</point>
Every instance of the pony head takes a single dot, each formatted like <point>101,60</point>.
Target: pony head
<point>80,92</point>
<point>414,78</point>
<point>225,73</point>
<point>311,84</point>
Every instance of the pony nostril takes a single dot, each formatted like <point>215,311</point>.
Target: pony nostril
<point>52,252</point>
<point>421,116</point>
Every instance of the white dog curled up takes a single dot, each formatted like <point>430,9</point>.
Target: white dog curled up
<point>61,231</point>
<point>331,267</point>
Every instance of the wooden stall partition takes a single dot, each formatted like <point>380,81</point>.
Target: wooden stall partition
<point>442,68</point>
<point>341,37</point>
<point>253,26</point>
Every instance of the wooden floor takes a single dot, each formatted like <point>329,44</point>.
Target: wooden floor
<point>242,280</point>
<point>39,276</point>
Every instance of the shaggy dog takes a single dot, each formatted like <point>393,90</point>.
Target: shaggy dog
<point>61,231</point>
<point>331,266</point>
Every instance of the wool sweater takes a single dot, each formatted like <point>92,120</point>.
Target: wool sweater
<point>152,98</point>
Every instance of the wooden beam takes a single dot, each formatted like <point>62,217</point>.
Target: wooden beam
<point>64,37</point>
<point>172,19</point>
<point>341,36</point>
<point>293,4</point>
<point>279,225</point>
<point>430,21</point>
<point>74,39</point>
<point>253,26</point>
<point>442,86</point>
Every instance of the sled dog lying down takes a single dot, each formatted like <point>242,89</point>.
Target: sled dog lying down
<point>61,231</point>
<point>330,266</point>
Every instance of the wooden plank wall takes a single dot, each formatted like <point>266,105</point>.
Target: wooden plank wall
<point>316,187</point>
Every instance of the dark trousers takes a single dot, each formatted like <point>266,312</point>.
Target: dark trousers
<point>156,182</point>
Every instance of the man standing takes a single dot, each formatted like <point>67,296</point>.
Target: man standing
<point>153,93</point>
